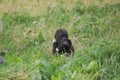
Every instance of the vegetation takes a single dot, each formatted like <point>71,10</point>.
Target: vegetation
<point>28,31</point>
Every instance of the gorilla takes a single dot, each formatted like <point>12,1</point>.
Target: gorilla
<point>62,43</point>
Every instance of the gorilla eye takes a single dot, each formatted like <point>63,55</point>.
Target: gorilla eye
<point>64,35</point>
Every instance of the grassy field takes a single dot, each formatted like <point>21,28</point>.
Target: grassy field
<point>28,32</point>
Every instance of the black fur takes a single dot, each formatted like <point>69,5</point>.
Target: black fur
<point>62,43</point>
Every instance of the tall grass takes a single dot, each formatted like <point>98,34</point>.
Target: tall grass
<point>28,31</point>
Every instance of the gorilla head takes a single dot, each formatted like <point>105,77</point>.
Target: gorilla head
<point>61,36</point>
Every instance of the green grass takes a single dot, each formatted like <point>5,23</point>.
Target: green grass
<point>26,40</point>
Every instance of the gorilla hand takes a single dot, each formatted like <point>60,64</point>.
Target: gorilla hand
<point>65,43</point>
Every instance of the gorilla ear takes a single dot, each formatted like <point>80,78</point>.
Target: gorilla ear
<point>54,40</point>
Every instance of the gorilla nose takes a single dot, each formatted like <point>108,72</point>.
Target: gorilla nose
<point>64,39</point>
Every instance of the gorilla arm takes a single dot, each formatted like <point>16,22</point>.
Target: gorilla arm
<point>71,46</point>
<point>55,45</point>
<point>67,45</point>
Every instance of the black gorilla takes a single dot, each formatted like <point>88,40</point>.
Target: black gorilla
<point>62,43</point>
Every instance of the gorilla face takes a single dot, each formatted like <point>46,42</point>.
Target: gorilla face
<point>64,39</point>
